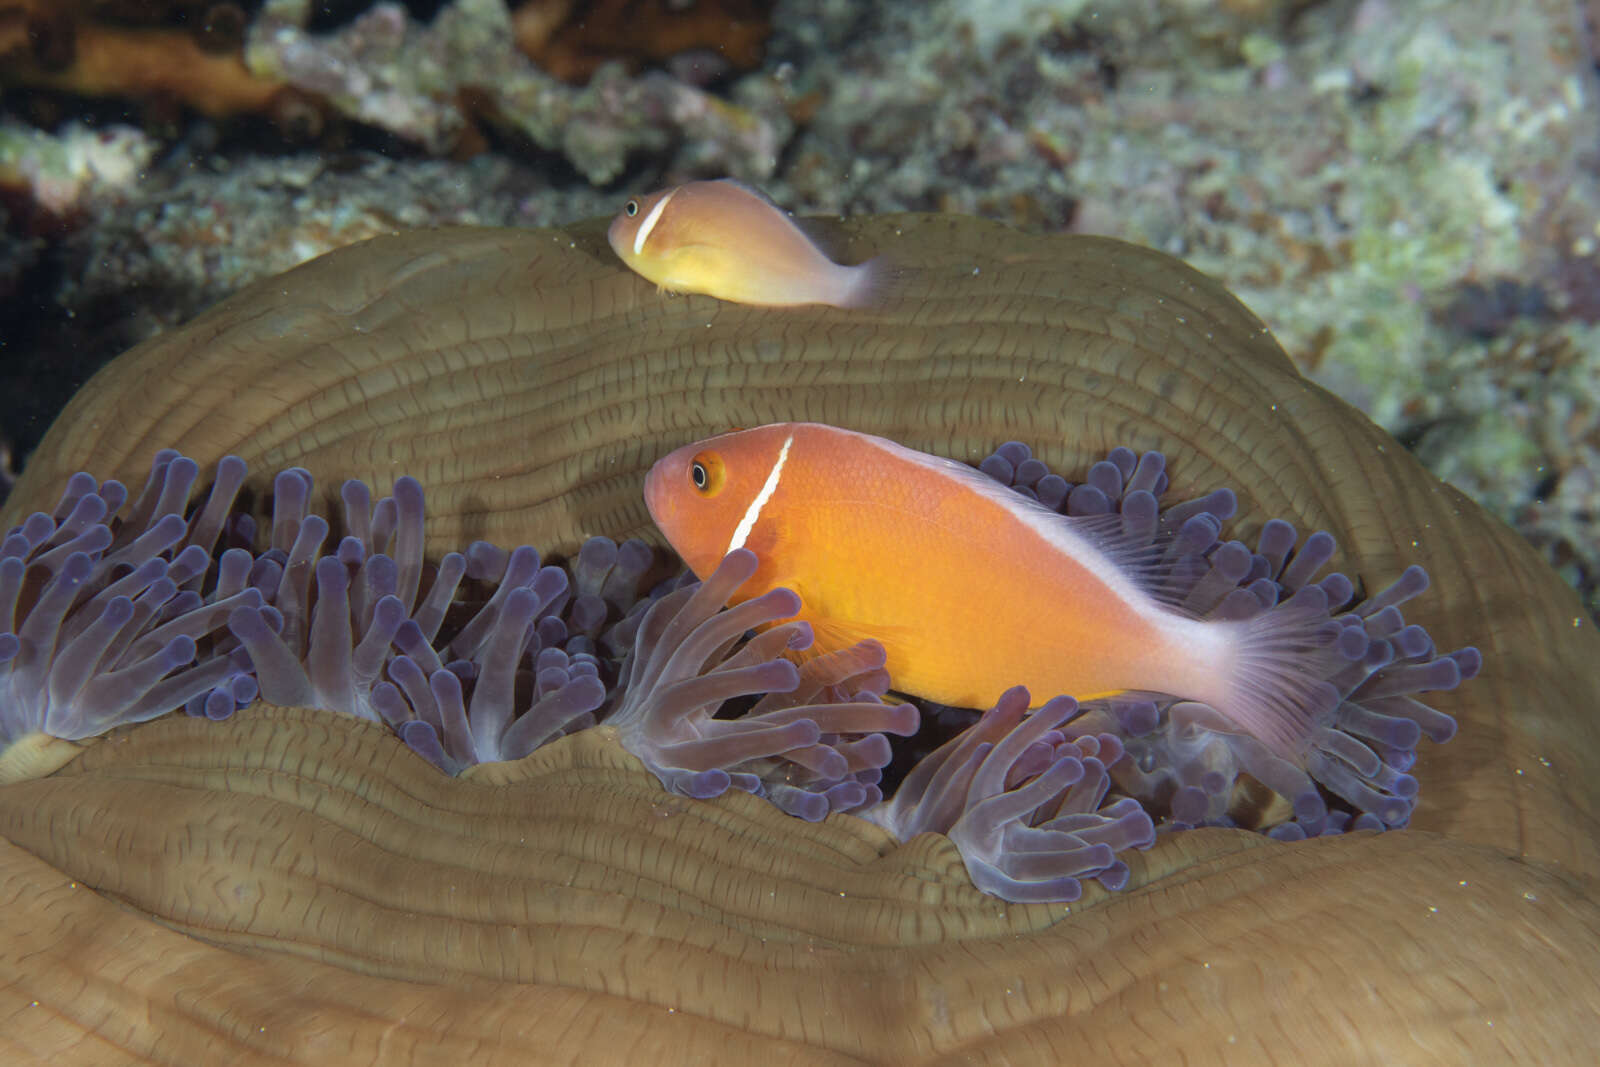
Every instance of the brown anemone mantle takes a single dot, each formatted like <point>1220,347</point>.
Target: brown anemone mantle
<point>291,885</point>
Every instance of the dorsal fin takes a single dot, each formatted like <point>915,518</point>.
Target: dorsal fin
<point>1164,552</point>
<point>820,230</point>
<point>757,193</point>
<point>1140,555</point>
<point>1153,555</point>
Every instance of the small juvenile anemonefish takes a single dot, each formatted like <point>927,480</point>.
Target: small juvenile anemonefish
<point>970,587</point>
<point>727,240</point>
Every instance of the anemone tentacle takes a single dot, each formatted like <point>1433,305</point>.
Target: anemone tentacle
<point>687,662</point>
<point>360,632</point>
<point>103,621</point>
<point>1023,802</point>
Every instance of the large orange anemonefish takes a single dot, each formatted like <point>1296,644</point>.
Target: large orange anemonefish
<point>729,241</point>
<point>970,587</point>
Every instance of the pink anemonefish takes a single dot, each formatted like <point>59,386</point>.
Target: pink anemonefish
<point>729,241</point>
<point>970,587</point>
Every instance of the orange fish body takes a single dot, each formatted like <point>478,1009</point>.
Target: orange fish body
<point>970,587</point>
<point>726,240</point>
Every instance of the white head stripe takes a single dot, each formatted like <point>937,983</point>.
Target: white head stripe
<point>753,512</point>
<point>649,223</point>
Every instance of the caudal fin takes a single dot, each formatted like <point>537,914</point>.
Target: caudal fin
<point>1333,691</point>
<point>879,282</point>
<point>1279,686</point>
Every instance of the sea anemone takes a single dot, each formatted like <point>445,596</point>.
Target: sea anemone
<point>490,654</point>
<point>512,686</point>
<point>492,688</point>
<point>1024,803</point>
<point>1364,722</point>
<point>606,579</point>
<point>690,659</point>
<point>111,619</point>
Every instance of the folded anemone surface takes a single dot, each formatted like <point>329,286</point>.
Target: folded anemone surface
<point>448,782</point>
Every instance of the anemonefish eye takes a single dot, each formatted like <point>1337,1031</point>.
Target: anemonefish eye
<point>706,472</point>
<point>631,208</point>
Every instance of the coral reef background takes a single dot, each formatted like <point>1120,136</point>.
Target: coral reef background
<point>1407,193</point>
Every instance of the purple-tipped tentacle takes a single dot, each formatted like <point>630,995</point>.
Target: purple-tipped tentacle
<point>472,704</point>
<point>205,529</point>
<point>141,690</point>
<point>282,678</point>
<point>411,678</point>
<point>75,660</point>
<point>606,577</point>
<point>634,560</point>
<point>329,642</point>
<point>858,716</point>
<point>410,641</point>
<point>1028,834</point>
<point>291,500</point>
<point>145,509</point>
<point>520,568</point>
<point>357,500</point>
<point>375,645</point>
<point>587,613</point>
<point>293,594</point>
<point>450,711</point>
<point>94,631</point>
<point>595,559</point>
<point>423,739</point>
<point>377,576</point>
<point>408,547</point>
<point>493,693</point>
<point>812,806</point>
<point>560,711</point>
<point>687,662</point>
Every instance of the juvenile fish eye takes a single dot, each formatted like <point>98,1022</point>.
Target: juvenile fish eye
<point>631,208</point>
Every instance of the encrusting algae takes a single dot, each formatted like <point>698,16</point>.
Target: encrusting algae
<point>731,925</point>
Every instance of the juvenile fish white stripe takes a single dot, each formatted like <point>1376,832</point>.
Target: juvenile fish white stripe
<point>649,223</point>
<point>753,512</point>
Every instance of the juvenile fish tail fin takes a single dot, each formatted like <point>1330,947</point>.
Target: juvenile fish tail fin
<point>860,286</point>
<point>876,283</point>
